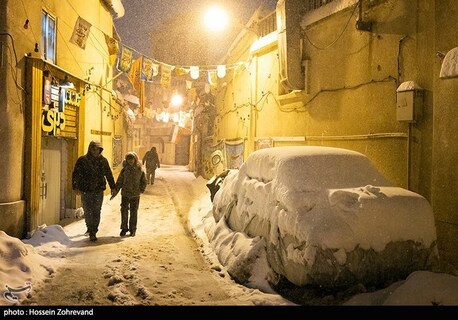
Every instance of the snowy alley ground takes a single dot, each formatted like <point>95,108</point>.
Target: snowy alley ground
<point>161,265</point>
<point>164,264</point>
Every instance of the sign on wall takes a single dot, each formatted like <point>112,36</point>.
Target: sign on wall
<point>60,116</point>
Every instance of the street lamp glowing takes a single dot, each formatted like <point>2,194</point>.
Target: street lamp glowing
<point>177,100</point>
<point>216,19</point>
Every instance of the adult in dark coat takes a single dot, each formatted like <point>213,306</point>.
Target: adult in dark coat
<point>132,183</point>
<point>89,179</point>
<point>151,159</point>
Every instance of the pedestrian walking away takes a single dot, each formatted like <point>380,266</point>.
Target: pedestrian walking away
<point>89,179</point>
<point>132,182</point>
<point>151,161</point>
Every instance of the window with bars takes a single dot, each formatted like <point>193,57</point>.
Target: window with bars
<point>48,36</point>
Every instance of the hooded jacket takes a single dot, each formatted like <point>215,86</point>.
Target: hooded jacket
<point>91,174</point>
<point>132,179</point>
<point>151,159</point>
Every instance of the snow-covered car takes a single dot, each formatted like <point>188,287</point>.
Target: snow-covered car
<point>328,217</point>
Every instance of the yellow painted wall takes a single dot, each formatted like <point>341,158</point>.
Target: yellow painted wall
<point>352,92</point>
<point>445,148</point>
<point>89,63</point>
<point>20,195</point>
<point>352,81</point>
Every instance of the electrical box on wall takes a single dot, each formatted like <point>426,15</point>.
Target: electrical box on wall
<point>409,102</point>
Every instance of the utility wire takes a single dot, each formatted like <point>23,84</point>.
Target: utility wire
<point>338,37</point>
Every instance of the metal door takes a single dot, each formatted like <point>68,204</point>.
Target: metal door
<point>50,187</point>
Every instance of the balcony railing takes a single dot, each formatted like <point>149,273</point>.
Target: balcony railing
<point>267,25</point>
<point>311,5</point>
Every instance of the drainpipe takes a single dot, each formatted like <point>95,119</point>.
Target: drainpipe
<point>253,109</point>
<point>409,126</point>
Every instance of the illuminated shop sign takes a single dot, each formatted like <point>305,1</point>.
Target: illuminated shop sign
<point>60,107</point>
<point>60,118</point>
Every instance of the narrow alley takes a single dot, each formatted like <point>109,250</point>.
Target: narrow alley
<point>164,264</point>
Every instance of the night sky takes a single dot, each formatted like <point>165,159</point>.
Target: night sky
<point>143,16</point>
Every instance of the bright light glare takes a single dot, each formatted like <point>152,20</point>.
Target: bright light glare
<point>216,19</point>
<point>176,100</point>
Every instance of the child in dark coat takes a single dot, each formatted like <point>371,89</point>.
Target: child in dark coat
<point>132,183</point>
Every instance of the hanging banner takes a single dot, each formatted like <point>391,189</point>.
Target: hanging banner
<point>155,69</point>
<point>125,60</point>
<point>188,85</point>
<point>113,49</point>
<point>147,69</point>
<point>181,71</point>
<point>212,78</point>
<point>80,33</point>
<point>142,97</point>
<point>175,134</point>
<point>134,74</point>
<point>166,73</point>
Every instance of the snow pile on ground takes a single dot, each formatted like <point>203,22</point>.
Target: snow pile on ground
<point>21,267</point>
<point>420,288</point>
